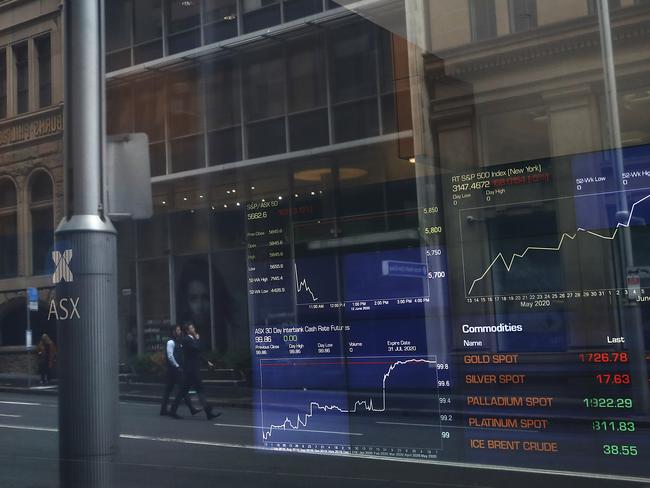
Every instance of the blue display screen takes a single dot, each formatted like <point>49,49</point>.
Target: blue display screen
<point>509,319</point>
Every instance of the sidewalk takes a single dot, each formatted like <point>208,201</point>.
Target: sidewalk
<point>218,395</point>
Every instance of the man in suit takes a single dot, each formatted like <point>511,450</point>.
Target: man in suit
<point>174,360</point>
<point>192,372</point>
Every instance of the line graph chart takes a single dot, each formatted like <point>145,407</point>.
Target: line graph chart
<point>508,263</point>
<point>302,285</point>
<point>347,404</point>
<point>350,278</point>
<point>570,244</point>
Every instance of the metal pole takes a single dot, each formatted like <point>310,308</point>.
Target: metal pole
<point>86,264</point>
<point>632,324</point>
<point>27,344</point>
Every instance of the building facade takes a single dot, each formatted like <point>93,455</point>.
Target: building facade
<point>243,101</point>
<point>31,167</point>
<point>430,211</point>
<point>396,182</point>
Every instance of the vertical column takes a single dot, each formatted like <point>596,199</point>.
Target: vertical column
<point>85,267</point>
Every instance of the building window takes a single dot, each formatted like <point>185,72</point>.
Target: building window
<point>42,221</point>
<point>483,18</point>
<point>119,109</point>
<point>8,229</point>
<point>260,14</point>
<point>185,116</point>
<point>149,117</point>
<point>44,50</point>
<point>307,94</point>
<point>220,20</point>
<point>133,32</point>
<point>3,83</point>
<point>224,109</point>
<point>264,102</point>
<point>523,15</point>
<point>295,9</point>
<point>22,78</point>
<point>147,30</point>
<point>119,22</point>
<point>354,82</point>
<point>183,25</point>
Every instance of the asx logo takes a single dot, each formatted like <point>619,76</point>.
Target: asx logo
<point>62,271</point>
<point>63,308</point>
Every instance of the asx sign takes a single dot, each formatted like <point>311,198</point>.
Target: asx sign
<point>63,308</point>
<point>62,271</point>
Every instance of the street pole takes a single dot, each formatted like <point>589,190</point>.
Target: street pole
<point>86,263</point>
<point>632,322</point>
<point>28,346</point>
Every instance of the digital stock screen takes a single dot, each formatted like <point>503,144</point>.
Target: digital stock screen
<point>500,320</point>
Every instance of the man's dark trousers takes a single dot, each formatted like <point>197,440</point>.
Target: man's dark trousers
<point>173,378</point>
<point>191,380</point>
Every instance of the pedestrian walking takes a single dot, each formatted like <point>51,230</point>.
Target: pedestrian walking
<point>192,372</point>
<point>174,375</point>
<point>46,351</point>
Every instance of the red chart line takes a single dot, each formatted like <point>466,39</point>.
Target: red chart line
<point>321,363</point>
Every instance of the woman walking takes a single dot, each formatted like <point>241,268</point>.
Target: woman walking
<point>46,351</point>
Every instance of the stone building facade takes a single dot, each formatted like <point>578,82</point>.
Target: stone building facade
<point>31,166</point>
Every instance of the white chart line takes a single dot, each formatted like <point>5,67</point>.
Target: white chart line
<point>303,284</point>
<point>558,247</point>
<point>368,405</point>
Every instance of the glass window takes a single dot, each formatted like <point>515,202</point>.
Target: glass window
<point>353,62</point>
<point>187,153</point>
<point>183,24</point>
<point>406,230</point>
<point>119,110</point>
<point>119,22</point>
<point>259,14</point>
<point>157,159</point>
<point>44,50</point>
<point>22,78</point>
<point>309,129</point>
<point>147,30</point>
<point>523,15</point>
<point>184,105</point>
<point>307,86</point>
<point>183,15</point>
<point>263,74</point>
<point>154,276</point>
<point>147,21</point>
<point>225,145</point>
<point>149,107</point>
<point>356,120</point>
<point>41,187</point>
<point>42,221</point>
<point>3,83</point>
<point>484,19</point>
<point>153,238</point>
<point>192,236</point>
<point>7,193</point>
<point>220,20</point>
<point>8,245</point>
<point>266,137</point>
<point>118,60</point>
<point>8,229</point>
<point>223,105</point>
<point>295,9</point>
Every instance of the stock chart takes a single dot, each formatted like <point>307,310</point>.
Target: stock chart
<point>508,318</point>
